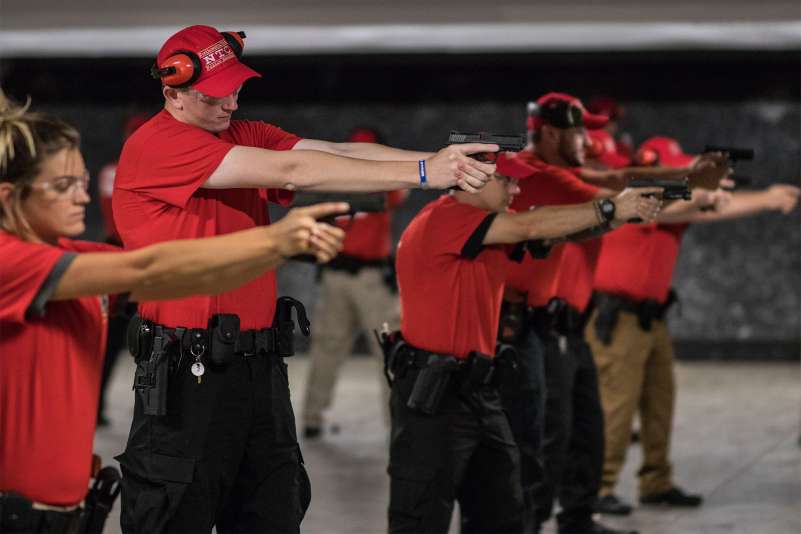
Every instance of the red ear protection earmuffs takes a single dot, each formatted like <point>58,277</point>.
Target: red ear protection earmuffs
<point>183,68</point>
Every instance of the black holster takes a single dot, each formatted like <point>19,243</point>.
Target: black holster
<point>224,330</point>
<point>285,326</point>
<point>431,383</point>
<point>514,321</point>
<point>100,500</point>
<point>152,371</point>
<point>392,346</point>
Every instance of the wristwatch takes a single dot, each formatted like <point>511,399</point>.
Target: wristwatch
<point>607,209</point>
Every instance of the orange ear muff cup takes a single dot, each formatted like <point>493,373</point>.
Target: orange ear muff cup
<point>236,40</point>
<point>186,70</point>
<point>646,157</point>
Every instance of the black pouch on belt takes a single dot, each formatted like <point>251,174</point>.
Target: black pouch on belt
<point>224,330</point>
<point>285,326</point>
<point>139,337</point>
<point>480,371</point>
<point>431,383</point>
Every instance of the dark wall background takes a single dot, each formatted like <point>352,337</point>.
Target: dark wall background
<point>740,281</point>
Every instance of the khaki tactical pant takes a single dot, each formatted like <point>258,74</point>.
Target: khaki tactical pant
<point>348,303</point>
<point>635,372</point>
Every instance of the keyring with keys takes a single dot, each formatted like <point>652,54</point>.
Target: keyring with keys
<point>198,369</point>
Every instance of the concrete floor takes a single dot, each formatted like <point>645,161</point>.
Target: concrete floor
<point>735,441</point>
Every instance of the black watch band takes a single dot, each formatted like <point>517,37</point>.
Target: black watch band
<point>607,209</point>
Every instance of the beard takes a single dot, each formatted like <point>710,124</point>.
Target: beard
<point>572,158</point>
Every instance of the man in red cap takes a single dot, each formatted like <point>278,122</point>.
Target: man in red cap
<point>450,437</point>
<point>628,334</point>
<point>555,290</point>
<point>213,438</point>
<point>355,295</point>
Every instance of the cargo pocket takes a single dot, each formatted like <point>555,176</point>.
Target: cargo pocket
<point>152,489</point>
<point>411,499</point>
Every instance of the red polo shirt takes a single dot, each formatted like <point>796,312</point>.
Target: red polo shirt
<point>637,260</point>
<point>158,197</point>
<point>567,272</point>
<point>450,288</point>
<point>368,234</point>
<point>50,368</point>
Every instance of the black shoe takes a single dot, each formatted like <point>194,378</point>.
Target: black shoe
<point>312,432</point>
<point>675,496</point>
<point>612,505</point>
<point>592,527</point>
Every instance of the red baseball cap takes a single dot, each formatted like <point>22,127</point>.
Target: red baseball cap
<point>222,72</point>
<point>363,135</point>
<point>604,105</point>
<point>562,111</point>
<point>661,150</point>
<point>513,167</point>
<point>605,150</point>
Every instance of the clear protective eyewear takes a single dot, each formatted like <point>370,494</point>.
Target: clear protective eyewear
<point>64,186</point>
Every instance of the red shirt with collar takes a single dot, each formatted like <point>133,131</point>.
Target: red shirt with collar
<point>158,196</point>
<point>50,369</point>
<point>567,272</point>
<point>450,303</point>
<point>637,260</point>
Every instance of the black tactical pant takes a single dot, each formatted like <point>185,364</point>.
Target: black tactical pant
<point>573,448</point>
<point>226,454</point>
<point>524,402</point>
<point>436,460</point>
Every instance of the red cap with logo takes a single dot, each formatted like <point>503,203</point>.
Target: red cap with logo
<point>604,149</point>
<point>221,71</point>
<point>562,111</point>
<point>661,150</point>
<point>513,167</point>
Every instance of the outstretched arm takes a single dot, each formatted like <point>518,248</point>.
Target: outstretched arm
<point>554,222</point>
<point>176,269</point>
<point>319,171</point>
<point>371,151</point>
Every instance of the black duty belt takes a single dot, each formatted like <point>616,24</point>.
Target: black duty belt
<point>352,264</point>
<point>18,514</point>
<point>558,317</point>
<point>646,310</point>
<point>246,342</point>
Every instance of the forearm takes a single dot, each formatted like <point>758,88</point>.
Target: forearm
<point>310,170</point>
<point>679,211</point>
<point>742,204</point>
<point>378,152</point>
<point>541,223</point>
<point>655,173</point>
<point>173,269</point>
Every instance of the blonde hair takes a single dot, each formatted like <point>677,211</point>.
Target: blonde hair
<point>27,139</point>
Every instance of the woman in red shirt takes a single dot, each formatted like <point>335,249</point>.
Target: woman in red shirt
<point>53,308</point>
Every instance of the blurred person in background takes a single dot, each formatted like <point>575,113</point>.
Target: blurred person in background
<point>627,330</point>
<point>562,442</point>
<point>55,293</point>
<point>357,294</point>
<point>117,321</point>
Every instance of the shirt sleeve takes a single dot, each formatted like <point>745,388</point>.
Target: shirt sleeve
<point>461,230</point>
<point>24,275</point>
<point>263,135</point>
<point>172,164</point>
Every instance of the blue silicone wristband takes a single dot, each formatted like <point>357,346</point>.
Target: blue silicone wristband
<point>421,167</point>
